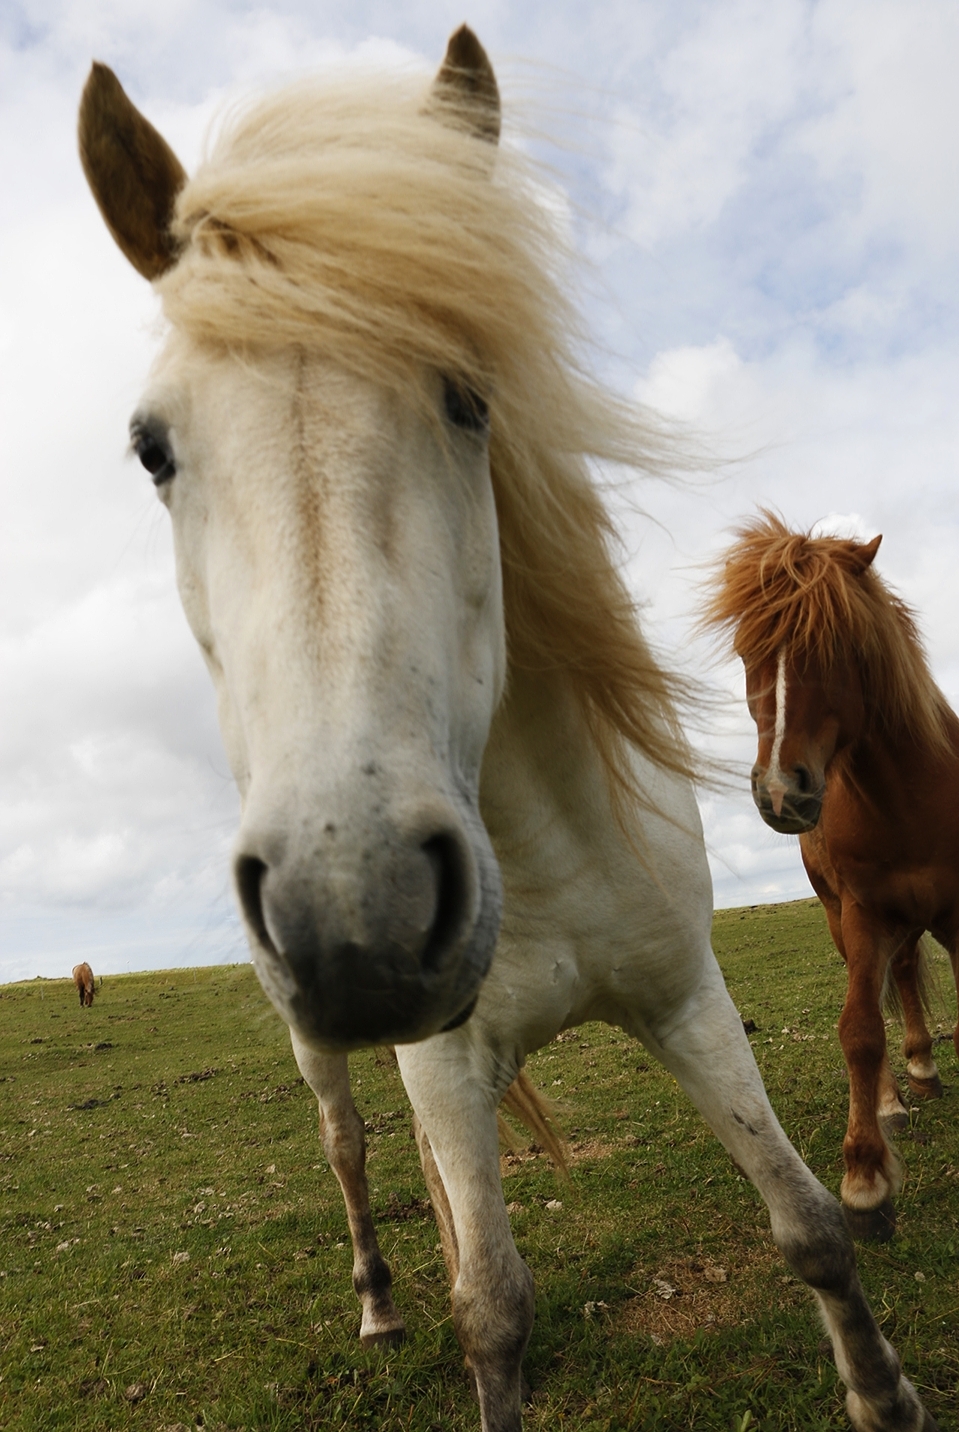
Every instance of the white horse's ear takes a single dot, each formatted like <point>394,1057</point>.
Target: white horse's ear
<point>465,91</point>
<point>864,554</point>
<point>132,171</point>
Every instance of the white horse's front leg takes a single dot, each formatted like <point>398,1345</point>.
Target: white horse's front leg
<point>493,1291</point>
<point>704,1046</point>
<point>344,1144</point>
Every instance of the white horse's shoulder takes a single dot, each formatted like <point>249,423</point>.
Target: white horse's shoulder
<point>595,916</point>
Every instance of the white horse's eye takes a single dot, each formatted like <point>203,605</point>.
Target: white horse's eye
<point>465,408</point>
<point>155,455</point>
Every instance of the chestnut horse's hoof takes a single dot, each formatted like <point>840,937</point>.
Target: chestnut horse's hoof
<point>871,1225</point>
<point>895,1123</point>
<point>925,1088</point>
<point>389,1337</point>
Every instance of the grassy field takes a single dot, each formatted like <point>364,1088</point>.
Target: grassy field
<point>174,1255</point>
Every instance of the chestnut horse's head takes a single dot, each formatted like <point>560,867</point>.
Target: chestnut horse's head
<point>804,713</point>
<point>830,655</point>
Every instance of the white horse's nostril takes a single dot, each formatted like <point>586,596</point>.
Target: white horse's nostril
<point>435,880</point>
<point>250,874</point>
<point>366,956</point>
<point>443,853</point>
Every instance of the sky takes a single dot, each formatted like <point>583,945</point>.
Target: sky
<point>765,194</point>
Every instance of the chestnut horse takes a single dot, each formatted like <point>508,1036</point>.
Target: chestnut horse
<point>83,979</point>
<point>467,821</point>
<point>859,756</point>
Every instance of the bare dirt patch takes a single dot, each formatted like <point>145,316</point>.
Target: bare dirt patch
<point>578,1151</point>
<point>683,1296</point>
<point>594,1150</point>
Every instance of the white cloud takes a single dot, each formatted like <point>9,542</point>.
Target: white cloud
<point>886,142</point>
<point>704,386</point>
<point>686,148</point>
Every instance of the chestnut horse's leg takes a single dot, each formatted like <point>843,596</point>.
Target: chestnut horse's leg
<point>891,1112</point>
<point>873,1175</point>
<point>455,1101</point>
<point>344,1143</point>
<point>921,1071</point>
<point>705,1048</point>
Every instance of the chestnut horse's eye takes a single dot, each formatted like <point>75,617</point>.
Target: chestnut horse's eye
<point>465,408</point>
<point>155,455</point>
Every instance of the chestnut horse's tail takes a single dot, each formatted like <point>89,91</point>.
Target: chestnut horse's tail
<point>924,979</point>
<point>524,1101</point>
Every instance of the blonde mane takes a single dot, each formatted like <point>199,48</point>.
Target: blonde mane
<point>344,219</point>
<point>776,589</point>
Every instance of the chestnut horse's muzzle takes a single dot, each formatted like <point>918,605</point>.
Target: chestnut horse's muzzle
<point>799,807</point>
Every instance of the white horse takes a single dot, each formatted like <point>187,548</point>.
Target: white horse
<point>467,822</point>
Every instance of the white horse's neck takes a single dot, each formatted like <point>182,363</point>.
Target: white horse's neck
<point>543,794</point>
<point>578,898</point>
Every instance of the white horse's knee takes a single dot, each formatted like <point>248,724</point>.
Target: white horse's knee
<point>813,1238</point>
<point>493,1312</point>
<point>493,1318</point>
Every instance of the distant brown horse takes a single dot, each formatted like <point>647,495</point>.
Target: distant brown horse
<point>83,979</point>
<point>859,756</point>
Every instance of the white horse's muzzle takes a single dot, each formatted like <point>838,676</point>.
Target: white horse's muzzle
<point>366,932</point>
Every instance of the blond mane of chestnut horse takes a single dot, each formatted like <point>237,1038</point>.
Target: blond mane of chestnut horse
<point>466,816</point>
<point>83,979</point>
<point>859,756</point>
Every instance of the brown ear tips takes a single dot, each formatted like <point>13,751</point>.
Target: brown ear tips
<point>466,83</point>
<point>101,76</point>
<point>464,51</point>
<point>90,109</point>
<point>133,174</point>
<point>865,553</point>
<point>102,101</point>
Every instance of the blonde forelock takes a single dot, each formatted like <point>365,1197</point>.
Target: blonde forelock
<point>344,219</point>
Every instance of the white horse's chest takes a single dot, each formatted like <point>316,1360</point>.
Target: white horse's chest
<point>590,930</point>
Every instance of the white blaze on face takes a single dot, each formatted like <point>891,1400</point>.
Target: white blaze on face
<point>775,781</point>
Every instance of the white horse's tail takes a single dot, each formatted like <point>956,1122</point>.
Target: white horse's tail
<point>524,1101</point>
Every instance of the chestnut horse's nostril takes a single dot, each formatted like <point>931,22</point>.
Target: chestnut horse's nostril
<point>445,857</point>
<point>803,780</point>
<point>250,873</point>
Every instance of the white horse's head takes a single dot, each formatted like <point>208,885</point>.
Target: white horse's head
<point>371,399</point>
<point>338,561</point>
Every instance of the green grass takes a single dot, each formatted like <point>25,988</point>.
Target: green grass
<point>168,1223</point>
